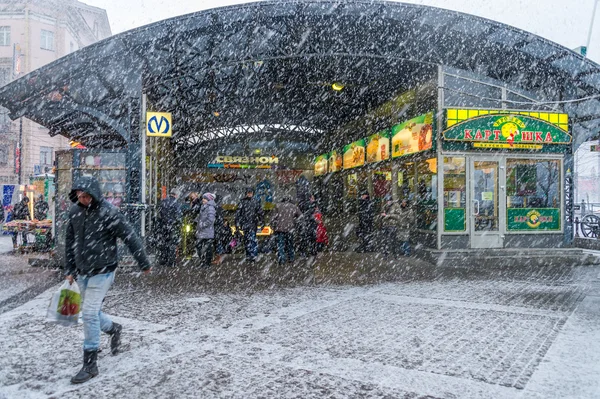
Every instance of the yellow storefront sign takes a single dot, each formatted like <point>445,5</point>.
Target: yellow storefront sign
<point>158,124</point>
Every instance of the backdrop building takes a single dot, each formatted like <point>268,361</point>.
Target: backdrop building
<point>34,33</point>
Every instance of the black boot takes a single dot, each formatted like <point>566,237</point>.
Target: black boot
<point>115,339</point>
<point>89,369</point>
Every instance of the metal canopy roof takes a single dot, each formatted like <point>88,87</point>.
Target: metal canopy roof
<point>272,63</point>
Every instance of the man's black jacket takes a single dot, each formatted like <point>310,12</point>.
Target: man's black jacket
<point>92,232</point>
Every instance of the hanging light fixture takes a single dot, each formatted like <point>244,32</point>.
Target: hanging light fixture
<point>337,86</point>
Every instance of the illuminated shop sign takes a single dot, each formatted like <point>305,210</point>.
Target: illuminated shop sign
<point>335,161</point>
<point>378,147</point>
<point>507,131</point>
<point>410,137</point>
<point>233,162</point>
<point>413,136</point>
<point>321,164</point>
<point>354,154</point>
<point>455,116</point>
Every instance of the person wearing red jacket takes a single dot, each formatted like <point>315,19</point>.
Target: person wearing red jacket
<point>322,238</point>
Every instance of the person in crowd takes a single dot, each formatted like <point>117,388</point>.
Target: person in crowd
<point>248,217</point>
<point>1,214</point>
<point>308,228</point>
<point>284,225</point>
<point>195,204</point>
<point>366,219</point>
<point>302,192</point>
<point>322,237</point>
<point>205,229</point>
<point>405,224</point>
<point>168,229</point>
<point>91,257</point>
<point>40,209</point>
<point>222,233</point>
<point>20,212</point>
<point>390,219</point>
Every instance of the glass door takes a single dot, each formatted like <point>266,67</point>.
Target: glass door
<point>485,215</point>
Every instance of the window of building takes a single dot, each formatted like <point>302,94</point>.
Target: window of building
<point>47,42</point>
<point>4,151</point>
<point>455,195</point>
<point>533,199</point>
<point>45,157</point>
<point>4,35</point>
<point>425,202</point>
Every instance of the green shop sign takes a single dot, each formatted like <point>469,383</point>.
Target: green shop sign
<point>538,219</point>
<point>507,131</point>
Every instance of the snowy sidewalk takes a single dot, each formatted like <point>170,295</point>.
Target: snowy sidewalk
<point>497,336</point>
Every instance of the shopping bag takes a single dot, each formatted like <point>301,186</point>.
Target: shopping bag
<point>65,305</point>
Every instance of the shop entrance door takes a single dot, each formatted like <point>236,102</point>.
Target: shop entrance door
<point>486,175</point>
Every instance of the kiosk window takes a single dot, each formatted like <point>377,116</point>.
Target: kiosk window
<point>426,196</point>
<point>455,181</point>
<point>532,183</point>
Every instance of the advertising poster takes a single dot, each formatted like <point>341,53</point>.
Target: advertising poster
<point>354,154</point>
<point>321,165</point>
<point>378,147</point>
<point>529,219</point>
<point>412,136</point>
<point>335,161</point>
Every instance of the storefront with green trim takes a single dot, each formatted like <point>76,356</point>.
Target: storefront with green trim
<point>476,178</point>
<point>501,180</point>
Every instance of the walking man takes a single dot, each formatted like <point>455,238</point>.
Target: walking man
<point>205,229</point>
<point>91,256</point>
<point>284,223</point>
<point>248,217</point>
<point>169,226</point>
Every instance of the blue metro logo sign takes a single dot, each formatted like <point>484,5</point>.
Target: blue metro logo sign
<point>158,124</point>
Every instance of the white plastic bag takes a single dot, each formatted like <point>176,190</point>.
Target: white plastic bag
<point>65,305</point>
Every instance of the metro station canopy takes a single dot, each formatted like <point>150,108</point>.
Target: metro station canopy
<point>273,62</point>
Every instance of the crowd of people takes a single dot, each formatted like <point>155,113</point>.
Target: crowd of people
<point>295,226</point>
<point>298,228</point>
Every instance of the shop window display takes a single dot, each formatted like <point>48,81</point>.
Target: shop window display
<point>533,194</point>
<point>455,182</point>
<point>406,181</point>
<point>426,195</point>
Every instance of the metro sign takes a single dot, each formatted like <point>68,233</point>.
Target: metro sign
<point>158,124</point>
<point>509,129</point>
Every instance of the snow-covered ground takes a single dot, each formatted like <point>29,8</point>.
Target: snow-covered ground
<point>519,335</point>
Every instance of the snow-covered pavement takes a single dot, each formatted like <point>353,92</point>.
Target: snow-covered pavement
<point>506,335</point>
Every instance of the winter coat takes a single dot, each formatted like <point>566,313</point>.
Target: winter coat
<point>21,211</point>
<point>284,217</point>
<point>405,223</point>
<point>366,216</point>
<point>249,215</point>
<point>40,210</point>
<point>92,232</point>
<point>222,230</point>
<point>169,216</point>
<point>391,215</point>
<point>205,223</point>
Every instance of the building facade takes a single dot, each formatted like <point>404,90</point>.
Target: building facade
<point>34,33</point>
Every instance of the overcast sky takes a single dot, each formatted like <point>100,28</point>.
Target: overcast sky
<point>563,21</point>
